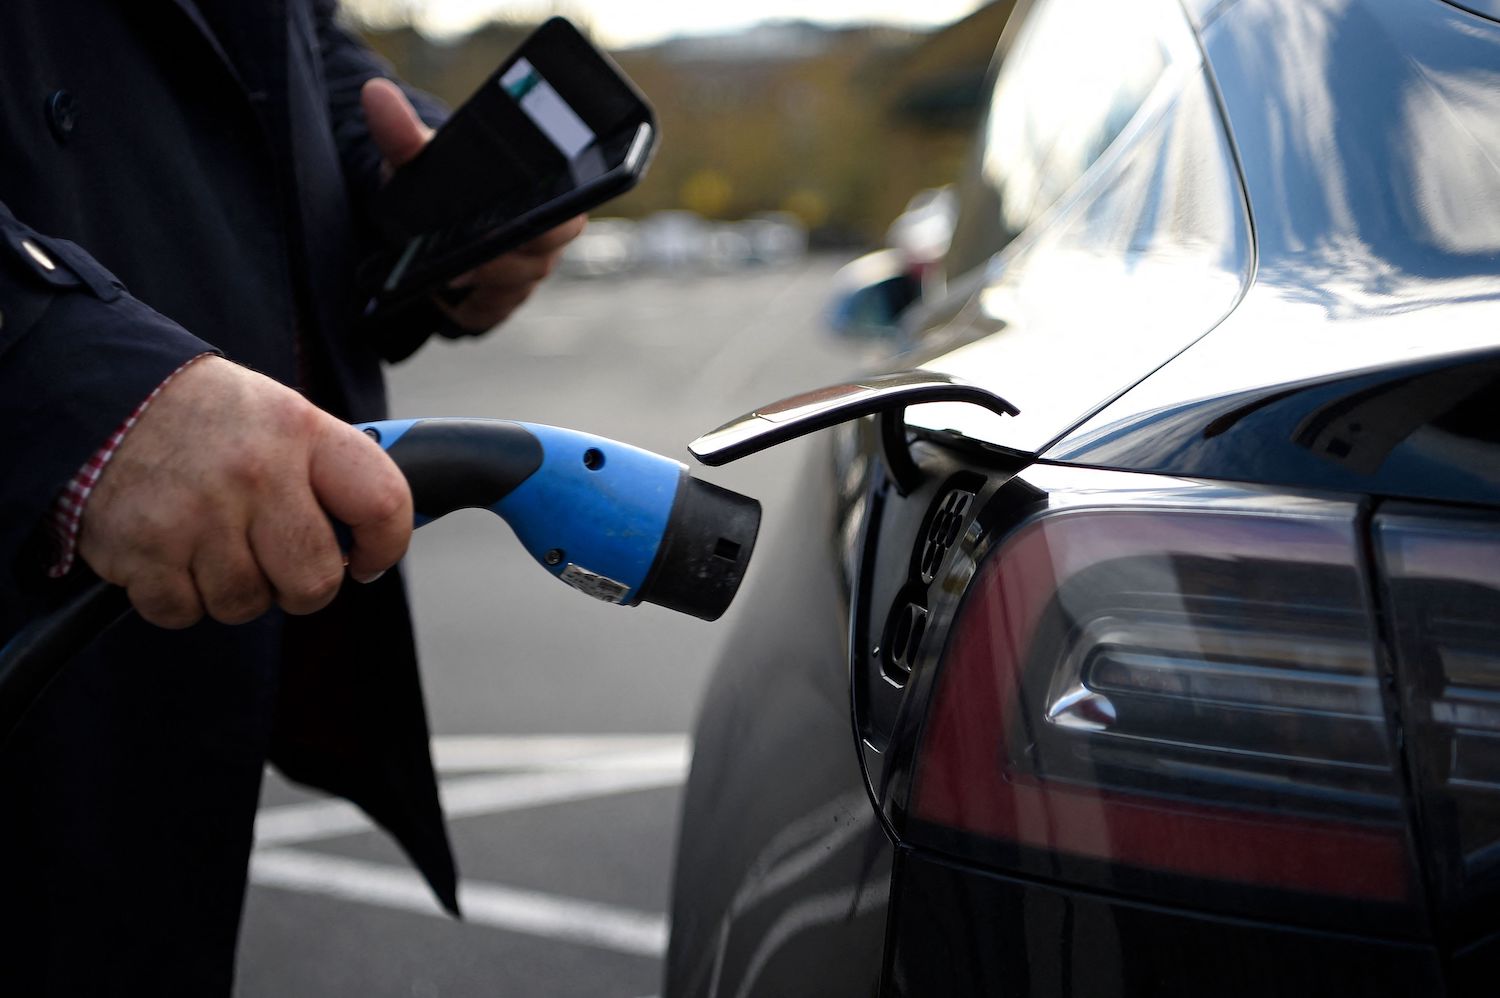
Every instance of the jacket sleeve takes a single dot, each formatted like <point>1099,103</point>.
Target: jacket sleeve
<point>347,64</point>
<point>77,355</point>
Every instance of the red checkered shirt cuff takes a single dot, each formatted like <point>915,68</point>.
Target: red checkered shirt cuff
<point>67,510</point>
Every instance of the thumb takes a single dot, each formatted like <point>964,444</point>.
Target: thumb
<point>398,133</point>
<point>358,485</point>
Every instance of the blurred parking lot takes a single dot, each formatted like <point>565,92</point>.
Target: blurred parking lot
<point>682,241</point>
<point>561,724</point>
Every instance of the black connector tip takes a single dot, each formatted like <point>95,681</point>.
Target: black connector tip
<point>704,551</point>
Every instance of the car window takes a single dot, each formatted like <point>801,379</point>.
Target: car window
<point>1072,76</point>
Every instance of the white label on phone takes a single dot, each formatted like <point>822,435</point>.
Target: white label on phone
<point>546,108</point>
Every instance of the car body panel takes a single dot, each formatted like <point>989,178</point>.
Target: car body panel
<point>783,890</point>
<point>1375,300</point>
<point>1349,261</point>
<point>1418,431</point>
<point>1141,261</point>
<point>959,932</point>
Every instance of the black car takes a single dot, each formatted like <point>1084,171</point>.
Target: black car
<point>1161,654</point>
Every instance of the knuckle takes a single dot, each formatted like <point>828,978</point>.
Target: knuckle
<point>247,469</point>
<point>106,563</point>
<point>241,602</point>
<point>314,591</point>
<point>177,619</point>
<point>325,585</point>
<point>165,608</point>
<point>231,477</point>
<point>389,498</point>
<point>107,569</point>
<point>291,414</point>
<point>142,534</point>
<point>265,459</point>
<point>240,613</point>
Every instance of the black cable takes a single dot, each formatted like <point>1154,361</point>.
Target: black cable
<point>39,651</point>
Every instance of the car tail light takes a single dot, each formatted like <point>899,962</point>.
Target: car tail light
<point>1172,702</point>
<point>1442,572</point>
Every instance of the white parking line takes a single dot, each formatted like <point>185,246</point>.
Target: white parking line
<point>556,769</point>
<point>489,753</point>
<point>566,919</point>
<point>468,796</point>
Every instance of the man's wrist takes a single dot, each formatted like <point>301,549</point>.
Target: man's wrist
<point>67,509</point>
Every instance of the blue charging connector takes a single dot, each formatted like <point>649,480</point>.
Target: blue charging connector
<point>614,521</point>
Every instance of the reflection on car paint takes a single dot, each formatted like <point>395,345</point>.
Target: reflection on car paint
<point>1126,276</point>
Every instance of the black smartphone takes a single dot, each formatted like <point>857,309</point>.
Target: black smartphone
<point>557,130</point>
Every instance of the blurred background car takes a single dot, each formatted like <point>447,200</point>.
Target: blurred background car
<point>871,293</point>
<point>674,239</point>
<point>1185,678</point>
<point>924,229</point>
<point>777,238</point>
<point>682,240</point>
<point>605,248</point>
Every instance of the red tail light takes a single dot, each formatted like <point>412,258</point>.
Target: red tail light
<point>1144,697</point>
<point>1442,574</point>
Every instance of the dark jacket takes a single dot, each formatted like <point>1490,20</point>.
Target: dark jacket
<point>197,174</point>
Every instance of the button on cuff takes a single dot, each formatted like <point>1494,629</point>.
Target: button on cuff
<point>40,260</point>
<point>37,255</point>
<point>62,115</point>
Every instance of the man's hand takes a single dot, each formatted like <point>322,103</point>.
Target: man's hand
<point>497,288</point>
<point>219,500</point>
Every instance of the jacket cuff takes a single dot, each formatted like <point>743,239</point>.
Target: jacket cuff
<point>65,385</point>
<point>67,511</point>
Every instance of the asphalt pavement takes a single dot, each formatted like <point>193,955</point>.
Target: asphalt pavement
<point>561,724</point>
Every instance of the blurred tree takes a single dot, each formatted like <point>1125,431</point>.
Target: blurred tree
<point>707,192</point>
<point>839,126</point>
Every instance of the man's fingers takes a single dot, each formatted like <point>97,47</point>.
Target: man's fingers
<point>511,270</point>
<point>166,597</point>
<point>230,584</point>
<point>532,261</point>
<point>361,487</point>
<point>555,239</point>
<point>296,549</point>
<point>394,126</point>
<point>498,288</point>
<point>486,307</point>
